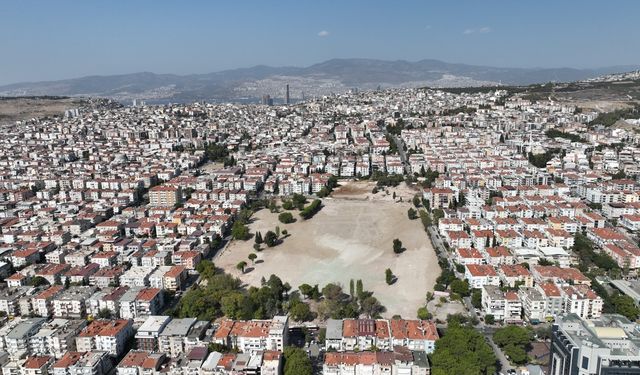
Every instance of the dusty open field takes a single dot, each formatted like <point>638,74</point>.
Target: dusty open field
<point>13,109</point>
<point>350,238</point>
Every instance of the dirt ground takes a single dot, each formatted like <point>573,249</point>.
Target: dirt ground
<point>350,238</point>
<point>441,310</point>
<point>13,109</point>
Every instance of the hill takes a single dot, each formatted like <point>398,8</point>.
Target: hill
<point>332,76</point>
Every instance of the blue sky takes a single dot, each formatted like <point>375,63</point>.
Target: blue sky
<point>45,40</point>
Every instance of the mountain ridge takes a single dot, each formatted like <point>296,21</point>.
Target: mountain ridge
<point>330,76</point>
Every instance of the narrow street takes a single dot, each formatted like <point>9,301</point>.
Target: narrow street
<point>402,153</point>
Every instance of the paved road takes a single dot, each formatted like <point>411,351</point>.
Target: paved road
<point>504,362</point>
<point>402,153</point>
<point>438,242</point>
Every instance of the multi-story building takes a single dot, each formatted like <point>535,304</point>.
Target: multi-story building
<point>605,346</point>
<point>534,304</point>
<point>164,196</point>
<point>504,306</point>
<point>85,363</point>
<point>254,335</point>
<point>171,339</point>
<point>105,335</point>
<point>149,332</point>
<point>72,302</point>
<point>16,342</point>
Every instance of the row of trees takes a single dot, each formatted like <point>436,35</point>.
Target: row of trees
<point>555,133</point>
<point>311,209</point>
<point>541,160</point>
<point>384,179</point>
<point>336,304</point>
<point>270,239</point>
<point>224,295</point>
<point>594,263</point>
<point>332,183</point>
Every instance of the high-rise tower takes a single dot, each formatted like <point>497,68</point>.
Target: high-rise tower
<point>286,95</point>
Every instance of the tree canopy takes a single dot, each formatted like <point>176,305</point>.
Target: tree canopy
<point>514,341</point>
<point>296,362</point>
<point>463,350</point>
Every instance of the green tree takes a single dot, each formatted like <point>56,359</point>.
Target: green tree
<point>397,246</point>
<point>517,354</point>
<point>514,341</point>
<point>252,257</point>
<point>412,214</point>
<point>389,276</point>
<point>416,200</point>
<point>217,347</point>
<point>437,214</point>
<point>299,200</point>
<point>372,307</point>
<point>624,305</point>
<point>237,306</point>
<point>287,205</point>
<point>270,239</point>
<point>305,290</point>
<point>476,298</point>
<point>489,319</point>
<point>322,335</point>
<point>296,362</point>
<point>424,314</point>
<point>332,291</point>
<point>258,238</point>
<point>512,335</point>
<point>206,269</point>
<point>241,266</point>
<point>104,314</point>
<point>38,281</point>
<point>300,312</point>
<point>426,219</point>
<point>240,231</point>
<point>286,218</point>
<point>460,287</point>
<point>463,350</point>
<point>311,209</point>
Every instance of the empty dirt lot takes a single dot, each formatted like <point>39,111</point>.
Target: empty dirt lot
<point>350,238</point>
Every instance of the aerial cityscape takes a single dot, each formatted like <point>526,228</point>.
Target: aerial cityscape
<point>336,207</point>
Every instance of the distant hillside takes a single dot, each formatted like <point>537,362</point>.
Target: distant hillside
<point>332,76</point>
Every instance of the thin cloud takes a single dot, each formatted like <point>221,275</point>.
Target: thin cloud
<point>482,30</point>
<point>428,27</point>
<point>323,33</point>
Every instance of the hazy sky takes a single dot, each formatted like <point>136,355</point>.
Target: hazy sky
<point>47,39</point>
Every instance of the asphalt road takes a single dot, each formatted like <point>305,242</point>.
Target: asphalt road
<point>402,153</point>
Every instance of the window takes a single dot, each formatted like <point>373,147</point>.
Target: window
<point>585,362</point>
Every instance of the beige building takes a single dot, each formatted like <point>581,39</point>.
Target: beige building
<point>164,196</point>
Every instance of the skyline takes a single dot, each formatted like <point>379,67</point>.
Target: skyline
<point>81,39</point>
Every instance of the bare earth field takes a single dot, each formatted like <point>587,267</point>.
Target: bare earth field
<point>14,109</point>
<point>350,238</point>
